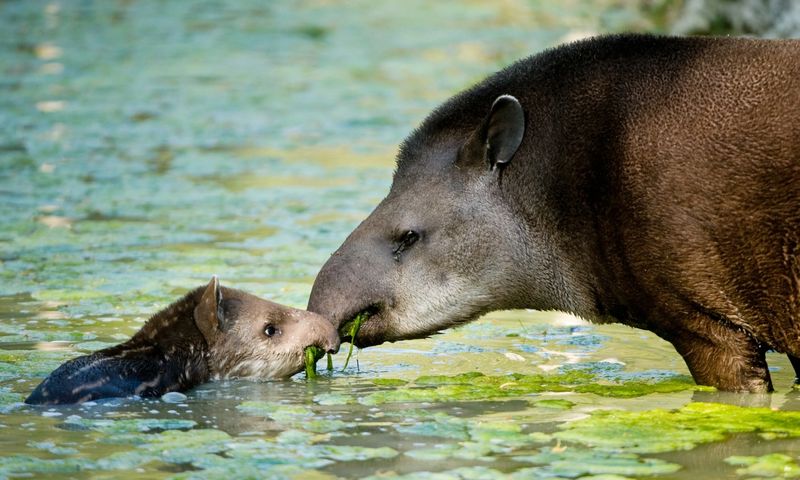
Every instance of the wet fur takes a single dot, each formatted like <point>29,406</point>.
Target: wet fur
<point>212,333</point>
<point>169,353</point>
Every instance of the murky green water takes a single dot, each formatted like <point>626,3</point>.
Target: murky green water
<point>147,145</point>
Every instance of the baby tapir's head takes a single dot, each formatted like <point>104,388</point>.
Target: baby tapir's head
<point>248,336</point>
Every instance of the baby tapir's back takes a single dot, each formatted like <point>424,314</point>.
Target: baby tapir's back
<point>167,354</point>
<point>101,375</point>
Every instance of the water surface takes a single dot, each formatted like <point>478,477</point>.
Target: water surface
<point>145,146</point>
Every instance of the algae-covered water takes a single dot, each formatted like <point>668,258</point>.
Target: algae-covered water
<point>146,145</point>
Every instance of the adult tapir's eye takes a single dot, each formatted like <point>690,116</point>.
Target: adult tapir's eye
<point>270,330</point>
<point>408,238</point>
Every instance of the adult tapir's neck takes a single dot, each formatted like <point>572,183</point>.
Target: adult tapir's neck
<point>566,201</point>
<point>571,180</point>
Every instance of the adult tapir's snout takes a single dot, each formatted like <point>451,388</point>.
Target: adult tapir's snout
<point>353,280</point>
<point>328,295</point>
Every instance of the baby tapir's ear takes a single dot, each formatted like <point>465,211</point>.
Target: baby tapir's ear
<point>208,312</point>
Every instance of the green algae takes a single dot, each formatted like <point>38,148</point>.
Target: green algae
<point>446,427</point>
<point>388,382</point>
<point>352,330</point>
<point>93,346</point>
<point>334,399</point>
<point>630,389</point>
<point>293,416</point>
<point>68,296</point>
<point>21,465</point>
<point>774,465</point>
<point>460,379</point>
<point>53,448</point>
<point>461,473</point>
<point>25,335</point>
<point>30,363</point>
<point>477,386</point>
<point>183,447</point>
<point>604,476</point>
<point>130,425</point>
<point>654,431</point>
<point>573,463</point>
<point>554,403</point>
<point>461,451</point>
<point>210,452</point>
<point>8,399</point>
<point>276,411</point>
<point>475,440</point>
<point>348,453</point>
<point>312,354</point>
<point>481,473</point>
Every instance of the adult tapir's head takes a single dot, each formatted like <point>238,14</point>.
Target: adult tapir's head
<point>446,244</point>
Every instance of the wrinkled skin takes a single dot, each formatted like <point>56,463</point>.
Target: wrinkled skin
<point>650,181</point>
<point>211,333</point>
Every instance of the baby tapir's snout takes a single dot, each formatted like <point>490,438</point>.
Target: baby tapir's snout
<point>317,330</point>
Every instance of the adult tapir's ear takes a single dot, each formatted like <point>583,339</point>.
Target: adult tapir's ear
<point>208,312</point>
<point>495,141</point>
<point>503,130</point>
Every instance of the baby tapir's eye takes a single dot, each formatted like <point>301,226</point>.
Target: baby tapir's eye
<point>270,330</point>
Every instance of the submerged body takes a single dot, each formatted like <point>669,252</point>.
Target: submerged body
<point>211,333</point>
<point>651,181</point>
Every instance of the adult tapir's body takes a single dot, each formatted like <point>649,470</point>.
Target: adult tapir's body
<point>650,181</point>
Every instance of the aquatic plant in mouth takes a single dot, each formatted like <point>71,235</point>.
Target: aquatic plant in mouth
<point>312,354</point>
<point>353,329</point>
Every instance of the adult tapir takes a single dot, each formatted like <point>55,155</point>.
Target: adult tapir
<point>651,181</point>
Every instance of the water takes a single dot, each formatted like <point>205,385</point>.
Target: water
<point>145,146</point>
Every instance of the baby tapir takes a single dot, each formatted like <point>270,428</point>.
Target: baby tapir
<point>212,333</point>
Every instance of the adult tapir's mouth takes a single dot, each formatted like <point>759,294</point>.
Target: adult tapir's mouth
<point>348,329</point>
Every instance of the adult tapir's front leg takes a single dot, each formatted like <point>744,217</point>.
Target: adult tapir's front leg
<point>721,355</point>
<point>796,366</point>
